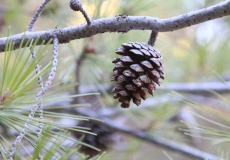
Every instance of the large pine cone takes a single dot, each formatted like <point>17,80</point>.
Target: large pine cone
<point>137,72</point>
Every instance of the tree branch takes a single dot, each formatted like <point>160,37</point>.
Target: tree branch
<point>124,24</point>
<point>192,88</point>
<point>174,146</point>
<point>169,144</point>
<point>198,87</point>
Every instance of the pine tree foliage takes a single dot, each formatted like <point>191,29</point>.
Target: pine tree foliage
<point>18,86</point>
<point>190,55</point>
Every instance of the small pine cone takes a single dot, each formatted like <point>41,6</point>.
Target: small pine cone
<point>137,72</point>
<point>75,5</point>
<point>102,140</point>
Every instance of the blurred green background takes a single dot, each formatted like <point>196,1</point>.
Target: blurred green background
<point>198,53</point>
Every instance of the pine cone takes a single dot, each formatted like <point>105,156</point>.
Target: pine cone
<point>75,5</point>
<point>137,72</point>
<point>102,140</point>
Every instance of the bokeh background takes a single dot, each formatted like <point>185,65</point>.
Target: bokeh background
<point>198,54</point>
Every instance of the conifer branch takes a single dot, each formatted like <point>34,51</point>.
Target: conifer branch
<point>125,24</point>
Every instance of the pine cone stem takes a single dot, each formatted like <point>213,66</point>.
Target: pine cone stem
<point>153,37</point>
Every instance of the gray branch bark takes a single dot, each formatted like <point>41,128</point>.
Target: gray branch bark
<point>199,88</point>
<point>125,23</point>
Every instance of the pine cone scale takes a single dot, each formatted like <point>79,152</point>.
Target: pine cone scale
<point>126,59</point>
<point>146,52</point>
<point>127,45</point>
<point>131,87</point>
<point>145,79</point>
<point>137,82</point>
<point>136,52</point>
<point>137,68</point>
<point>129,73</point>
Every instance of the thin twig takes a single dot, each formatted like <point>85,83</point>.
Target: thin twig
<point>125,23</point>
<point>36,15</point>
<point>37,68</point>
<point>153,37</point>
<point>76,5</point>
<point>78,70</point>
<point>87,49</point>
<point>86,16</point>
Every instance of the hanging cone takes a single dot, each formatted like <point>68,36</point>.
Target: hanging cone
<point>137,72</point>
